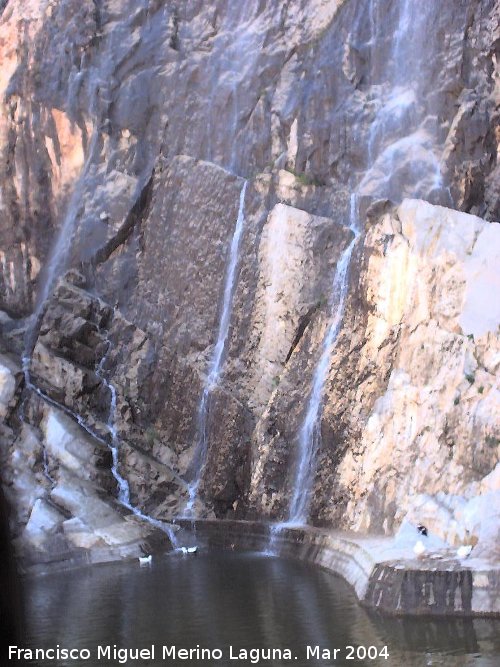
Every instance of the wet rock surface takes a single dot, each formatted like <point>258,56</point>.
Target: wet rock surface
<point>57,478</point>
<point>127,131</point>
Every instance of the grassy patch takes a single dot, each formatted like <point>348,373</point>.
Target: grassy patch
<point>307,179</point>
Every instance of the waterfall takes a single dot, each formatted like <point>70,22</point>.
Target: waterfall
<point>123,487</point>
<point>58,255</point>
<point>56,260</point>
<point>401,158</point>
<point>212,379</point>
<point>114,445</point>
<point>402,130</point>
<point>55,263</point>
<point>309,436</point>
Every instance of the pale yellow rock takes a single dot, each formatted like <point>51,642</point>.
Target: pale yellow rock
<point>440,413</point>
<point>287,274</point>
<point>293,146</point>
<point>67,155</point>
<point>67,444</point>
<point>81,499</point>
<point>7,384</point>
<point>43,520</point>
<point>79,534</point>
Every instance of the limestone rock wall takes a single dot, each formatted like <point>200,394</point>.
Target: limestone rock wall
<point>435,428</point>
<point>59,485</point>
<point>127,130</point>
<point>412,402</point>
<point>93,92</point>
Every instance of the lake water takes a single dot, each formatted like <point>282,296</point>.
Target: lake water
<point>220,600</point>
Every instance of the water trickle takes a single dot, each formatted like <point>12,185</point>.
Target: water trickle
<point>114,445</point>
<point>25,365</point>
<point>310,435</point>
<point>213,376</point>
<point>275,530</point>
<point>401,155</point>
<point>401,161</point>
<point>123,488</point>
<point>57,258</point>
<point>236,48</point>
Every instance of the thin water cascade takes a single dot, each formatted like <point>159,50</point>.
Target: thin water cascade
<point>310,433</point>
<point>56,261</point>
<point>401,155</point>
<point>403,131</point>
<point>309,436</point>
<point>55,264</point>
<point>236,48</point>
<point>274,535</point>
<point>25,361</point>
<point>114,446</point>
<point>123,487</point>
<point>213,376</point>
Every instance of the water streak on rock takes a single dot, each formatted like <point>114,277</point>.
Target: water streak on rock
<point>213,376</point>
<point>404,128</point>
<point>310,434</point>
<point>392,134</point>
<point>123,485</point>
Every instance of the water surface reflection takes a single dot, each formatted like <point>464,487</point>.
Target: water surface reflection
<point>218,600</point>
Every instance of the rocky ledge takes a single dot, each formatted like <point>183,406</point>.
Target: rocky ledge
<point>383,571</point>
<point>58,482</point>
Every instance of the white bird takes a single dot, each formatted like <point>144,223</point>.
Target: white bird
<point>145,560</point>
<point>419,548</point>
<point>464,551</point>
<point>188,550</point>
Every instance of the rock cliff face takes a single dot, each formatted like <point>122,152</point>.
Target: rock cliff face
<point>127,131</point>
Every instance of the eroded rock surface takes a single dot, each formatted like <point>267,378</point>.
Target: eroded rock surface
<point>58,481</point>
<point>127,130</point>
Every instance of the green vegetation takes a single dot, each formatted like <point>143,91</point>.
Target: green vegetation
<point>322,301</point>
<point>470,378</point>
<point>306,179</point>
<point>480,389</point>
